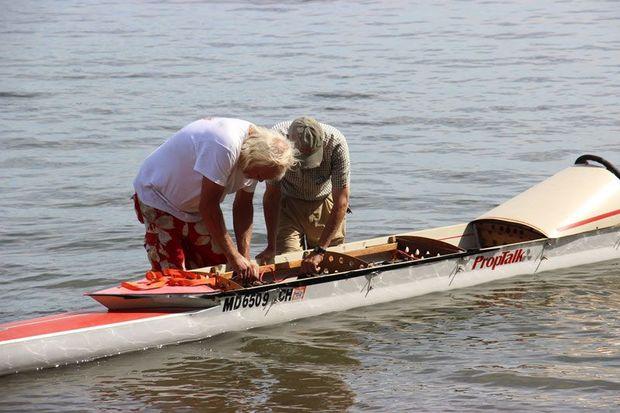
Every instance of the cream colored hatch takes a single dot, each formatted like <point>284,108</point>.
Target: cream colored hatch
<point>578,199</point>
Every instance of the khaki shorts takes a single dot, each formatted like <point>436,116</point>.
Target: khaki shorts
<point>300,218</point>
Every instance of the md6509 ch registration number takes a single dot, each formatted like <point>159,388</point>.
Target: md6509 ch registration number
<point>261,299</point>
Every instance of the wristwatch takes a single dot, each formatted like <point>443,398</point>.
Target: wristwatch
<point>319,250</point>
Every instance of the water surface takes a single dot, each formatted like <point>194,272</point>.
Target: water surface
<point>449,109</point>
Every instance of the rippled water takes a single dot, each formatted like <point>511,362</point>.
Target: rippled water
<point>449,109</point>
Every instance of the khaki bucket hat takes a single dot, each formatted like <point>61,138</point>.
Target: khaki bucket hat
<point>308,137</point>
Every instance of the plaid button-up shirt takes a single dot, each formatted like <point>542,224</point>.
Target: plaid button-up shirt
<point>317,183</point>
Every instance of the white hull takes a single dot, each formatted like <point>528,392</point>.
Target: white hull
<point>283,303</point>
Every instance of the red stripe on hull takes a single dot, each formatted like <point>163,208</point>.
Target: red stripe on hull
<point>589,220</point>
<point>69,321</point>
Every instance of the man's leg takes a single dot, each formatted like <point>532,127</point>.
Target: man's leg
<point>315,222</point>
<point>200,250</point>
<point>163,239</point>
<point>289,233</point>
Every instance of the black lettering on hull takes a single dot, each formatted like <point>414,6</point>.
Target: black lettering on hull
<point>254,300</point>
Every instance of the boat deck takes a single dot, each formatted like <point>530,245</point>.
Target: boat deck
<point>64,322</point>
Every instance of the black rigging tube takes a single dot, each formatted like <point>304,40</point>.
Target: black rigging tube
<point>583,160</point>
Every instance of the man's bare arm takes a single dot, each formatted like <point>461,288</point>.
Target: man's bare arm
<point>243,217</point>
<point>211,213</point>
<point>341,203</point>
<point>271,210</point>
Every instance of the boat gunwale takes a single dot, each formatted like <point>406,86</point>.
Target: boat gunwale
<point>321,278</point>
<point>325,278</point>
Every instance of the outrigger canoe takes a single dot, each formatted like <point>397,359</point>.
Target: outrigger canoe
<point>570,219</point>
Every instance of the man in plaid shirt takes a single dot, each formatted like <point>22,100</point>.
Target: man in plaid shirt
<point>312,199</point>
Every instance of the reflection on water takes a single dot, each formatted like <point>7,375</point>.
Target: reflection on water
<point>267,368</point>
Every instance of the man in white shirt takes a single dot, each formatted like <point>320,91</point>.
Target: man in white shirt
<point>180,186</point>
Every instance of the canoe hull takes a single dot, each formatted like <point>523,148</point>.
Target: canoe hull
<point>31,345</point>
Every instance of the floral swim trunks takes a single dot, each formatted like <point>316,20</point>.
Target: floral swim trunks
<point>172,243</point>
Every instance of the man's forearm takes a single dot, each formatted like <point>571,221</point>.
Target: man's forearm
<point>214,220</point>
<point>242,223</point>
<point>271,211</point>
<point>331,227</point>
<point>336,217</point>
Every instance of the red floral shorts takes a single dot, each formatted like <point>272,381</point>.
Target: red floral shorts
<point>172,243</point>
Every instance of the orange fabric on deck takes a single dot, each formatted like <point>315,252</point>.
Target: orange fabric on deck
<point>172,277</point>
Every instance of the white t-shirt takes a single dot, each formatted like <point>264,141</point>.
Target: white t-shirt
<point>170,179</point>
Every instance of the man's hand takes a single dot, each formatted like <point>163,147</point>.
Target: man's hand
<point>310,264</point>
<point>267,254</point>
<point>243,267</point>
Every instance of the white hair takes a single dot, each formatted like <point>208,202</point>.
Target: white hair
<point>265,147</point>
